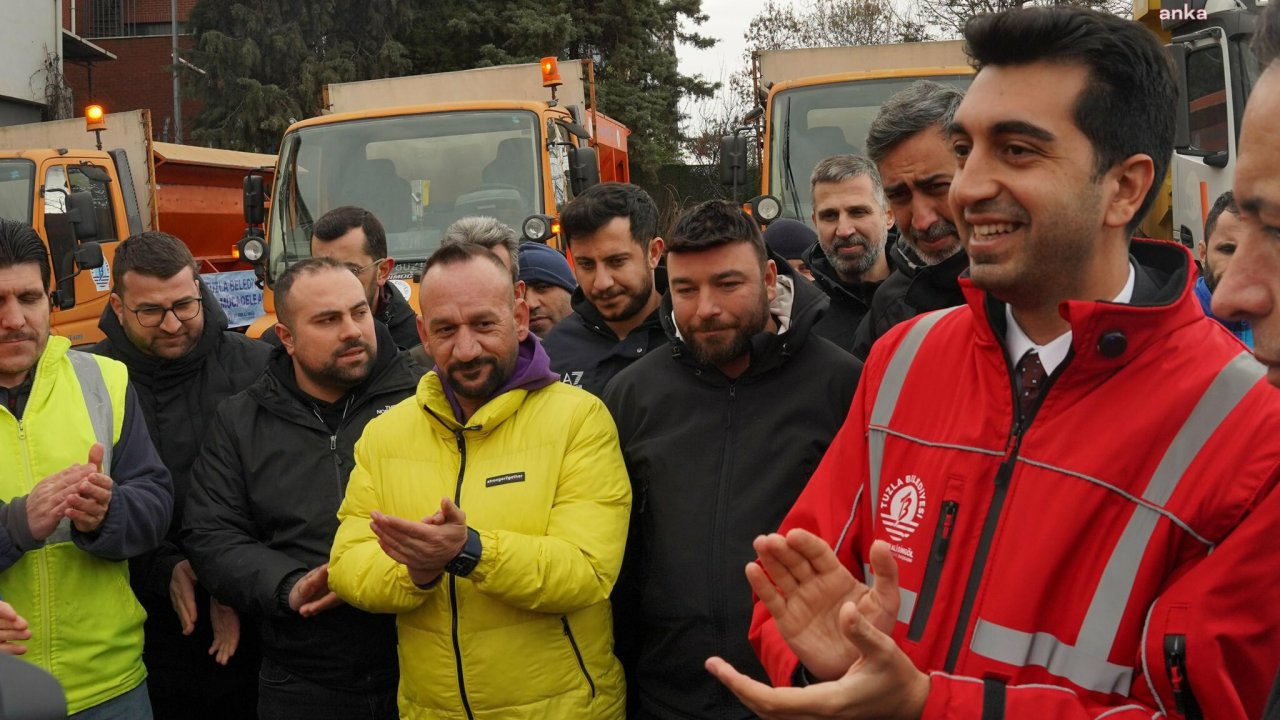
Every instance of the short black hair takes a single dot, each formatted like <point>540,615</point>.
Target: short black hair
<point>600,204</point>
<point>21,245</point>
<point>1126,107</point>
<point>284,284</point>
<point>715,223</point>
<point>342,220</point>
<point>1266,39</point>
<point>1225,202</point>
<point>153,254</point>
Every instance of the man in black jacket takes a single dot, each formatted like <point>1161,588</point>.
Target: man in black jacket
<point>353,236</point>
<point>172,335</point>
<point>262,514</point>
<point>720,435</point>
<point>908,145</point>
<point>612,233</point>
<point>849,260</point>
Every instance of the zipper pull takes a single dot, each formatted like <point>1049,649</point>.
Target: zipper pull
<point>1175,655</point>
<point>949,510</point>
<point>333,442</point>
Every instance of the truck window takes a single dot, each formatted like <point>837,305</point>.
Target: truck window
<point>16,188</point>
<point>1207,96</point>
<point>55,190</point>
<point>101,201</point>
<point>810,123</point>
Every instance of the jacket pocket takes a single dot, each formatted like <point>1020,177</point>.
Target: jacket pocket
<point>577,654</point>
<point>933,570</point>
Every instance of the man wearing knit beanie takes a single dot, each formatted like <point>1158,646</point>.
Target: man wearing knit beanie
<point>549,284</point>
<point>790,238</point>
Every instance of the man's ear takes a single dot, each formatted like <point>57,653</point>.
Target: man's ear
<point>286,337</point>
<point>656,248</point>
<point>1126,187</point>
<point>422,330</point>
<point>117,307</point>
<point>771,279</point>
<point>522,318</point>
<point>384,270</point>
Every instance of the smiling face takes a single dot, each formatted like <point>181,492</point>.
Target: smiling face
<point>1025,198</point>
<point>1250,287</point>
<point>917,176</point>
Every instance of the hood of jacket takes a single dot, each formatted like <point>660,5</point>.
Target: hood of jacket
<point>796,309</point>
<point>149,369</point>
<point>532,371</point>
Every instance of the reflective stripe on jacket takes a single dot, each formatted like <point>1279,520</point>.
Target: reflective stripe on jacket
<point>1104,559</point>
<point>86,625</point>
<point>528,634</point>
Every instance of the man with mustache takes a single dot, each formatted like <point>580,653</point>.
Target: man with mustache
<point>908,144</point>
<point>82,490</point>
<point>611,231</point>
<point>183,361</point>
<point>720,436</point>
<point>849,261</point>
<point>501,588</point>
<point>1065,489</point>
<point>262,512</point>
<point>548,286</point>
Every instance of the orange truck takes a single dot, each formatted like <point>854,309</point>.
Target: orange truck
<point>810,116</point>
<point>82,202</point>
<point>514,142</point>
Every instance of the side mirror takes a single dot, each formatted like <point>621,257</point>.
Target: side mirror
<point>255,208</point>
<point>733,160</point>
<point>82,215</point>
<point>584,170</point>
<point>88,256</point>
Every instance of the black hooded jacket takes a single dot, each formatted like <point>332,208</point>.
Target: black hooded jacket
<point>264,504</point>
<point>178,399</point>
<point>714,462</point>
<point>849,304</point>
<point>587,353</point>
<point>912,289</point>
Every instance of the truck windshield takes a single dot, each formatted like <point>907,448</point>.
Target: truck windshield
<point>16,188</point>
<point>416,173</point>
<point>815,122</point>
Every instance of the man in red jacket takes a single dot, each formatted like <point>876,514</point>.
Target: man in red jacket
<point>1063,489</point>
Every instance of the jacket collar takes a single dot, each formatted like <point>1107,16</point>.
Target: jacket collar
<point>1107,335</point>
<point>826,278</point>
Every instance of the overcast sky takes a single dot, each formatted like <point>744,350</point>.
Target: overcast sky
<point>727,22</point>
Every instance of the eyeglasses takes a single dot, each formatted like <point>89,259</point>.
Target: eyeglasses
<point>151,316</point>
<point>357,270</point>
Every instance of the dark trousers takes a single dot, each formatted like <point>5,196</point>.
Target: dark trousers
<point>285,696</point>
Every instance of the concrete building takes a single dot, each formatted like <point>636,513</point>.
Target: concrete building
<point>37,47</point>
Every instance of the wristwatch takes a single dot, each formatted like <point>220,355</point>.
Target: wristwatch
<point>465,561</point>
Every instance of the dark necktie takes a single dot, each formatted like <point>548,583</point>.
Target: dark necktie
<point>1030,375</point>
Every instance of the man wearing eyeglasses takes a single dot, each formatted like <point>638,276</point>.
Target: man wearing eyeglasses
<point>172,335</point>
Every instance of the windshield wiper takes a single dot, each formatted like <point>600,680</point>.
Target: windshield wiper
<point>790,177</point>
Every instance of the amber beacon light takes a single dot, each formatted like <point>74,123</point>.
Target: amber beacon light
<point>551,72</point>
<point>93,118</point>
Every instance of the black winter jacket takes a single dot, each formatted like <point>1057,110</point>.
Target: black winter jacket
<point>849,304</point>
<point>178,399</point>
<point>714,462</point>
<point>264,506</point>
<point>395,313</point>
<point>912,289</point>
<point>585,351</point>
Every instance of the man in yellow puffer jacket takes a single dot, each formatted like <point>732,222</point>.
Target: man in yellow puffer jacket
<point>81,491</point>
<point>502,588</point>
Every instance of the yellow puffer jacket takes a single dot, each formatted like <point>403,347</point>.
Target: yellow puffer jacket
<point>529,633</point>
